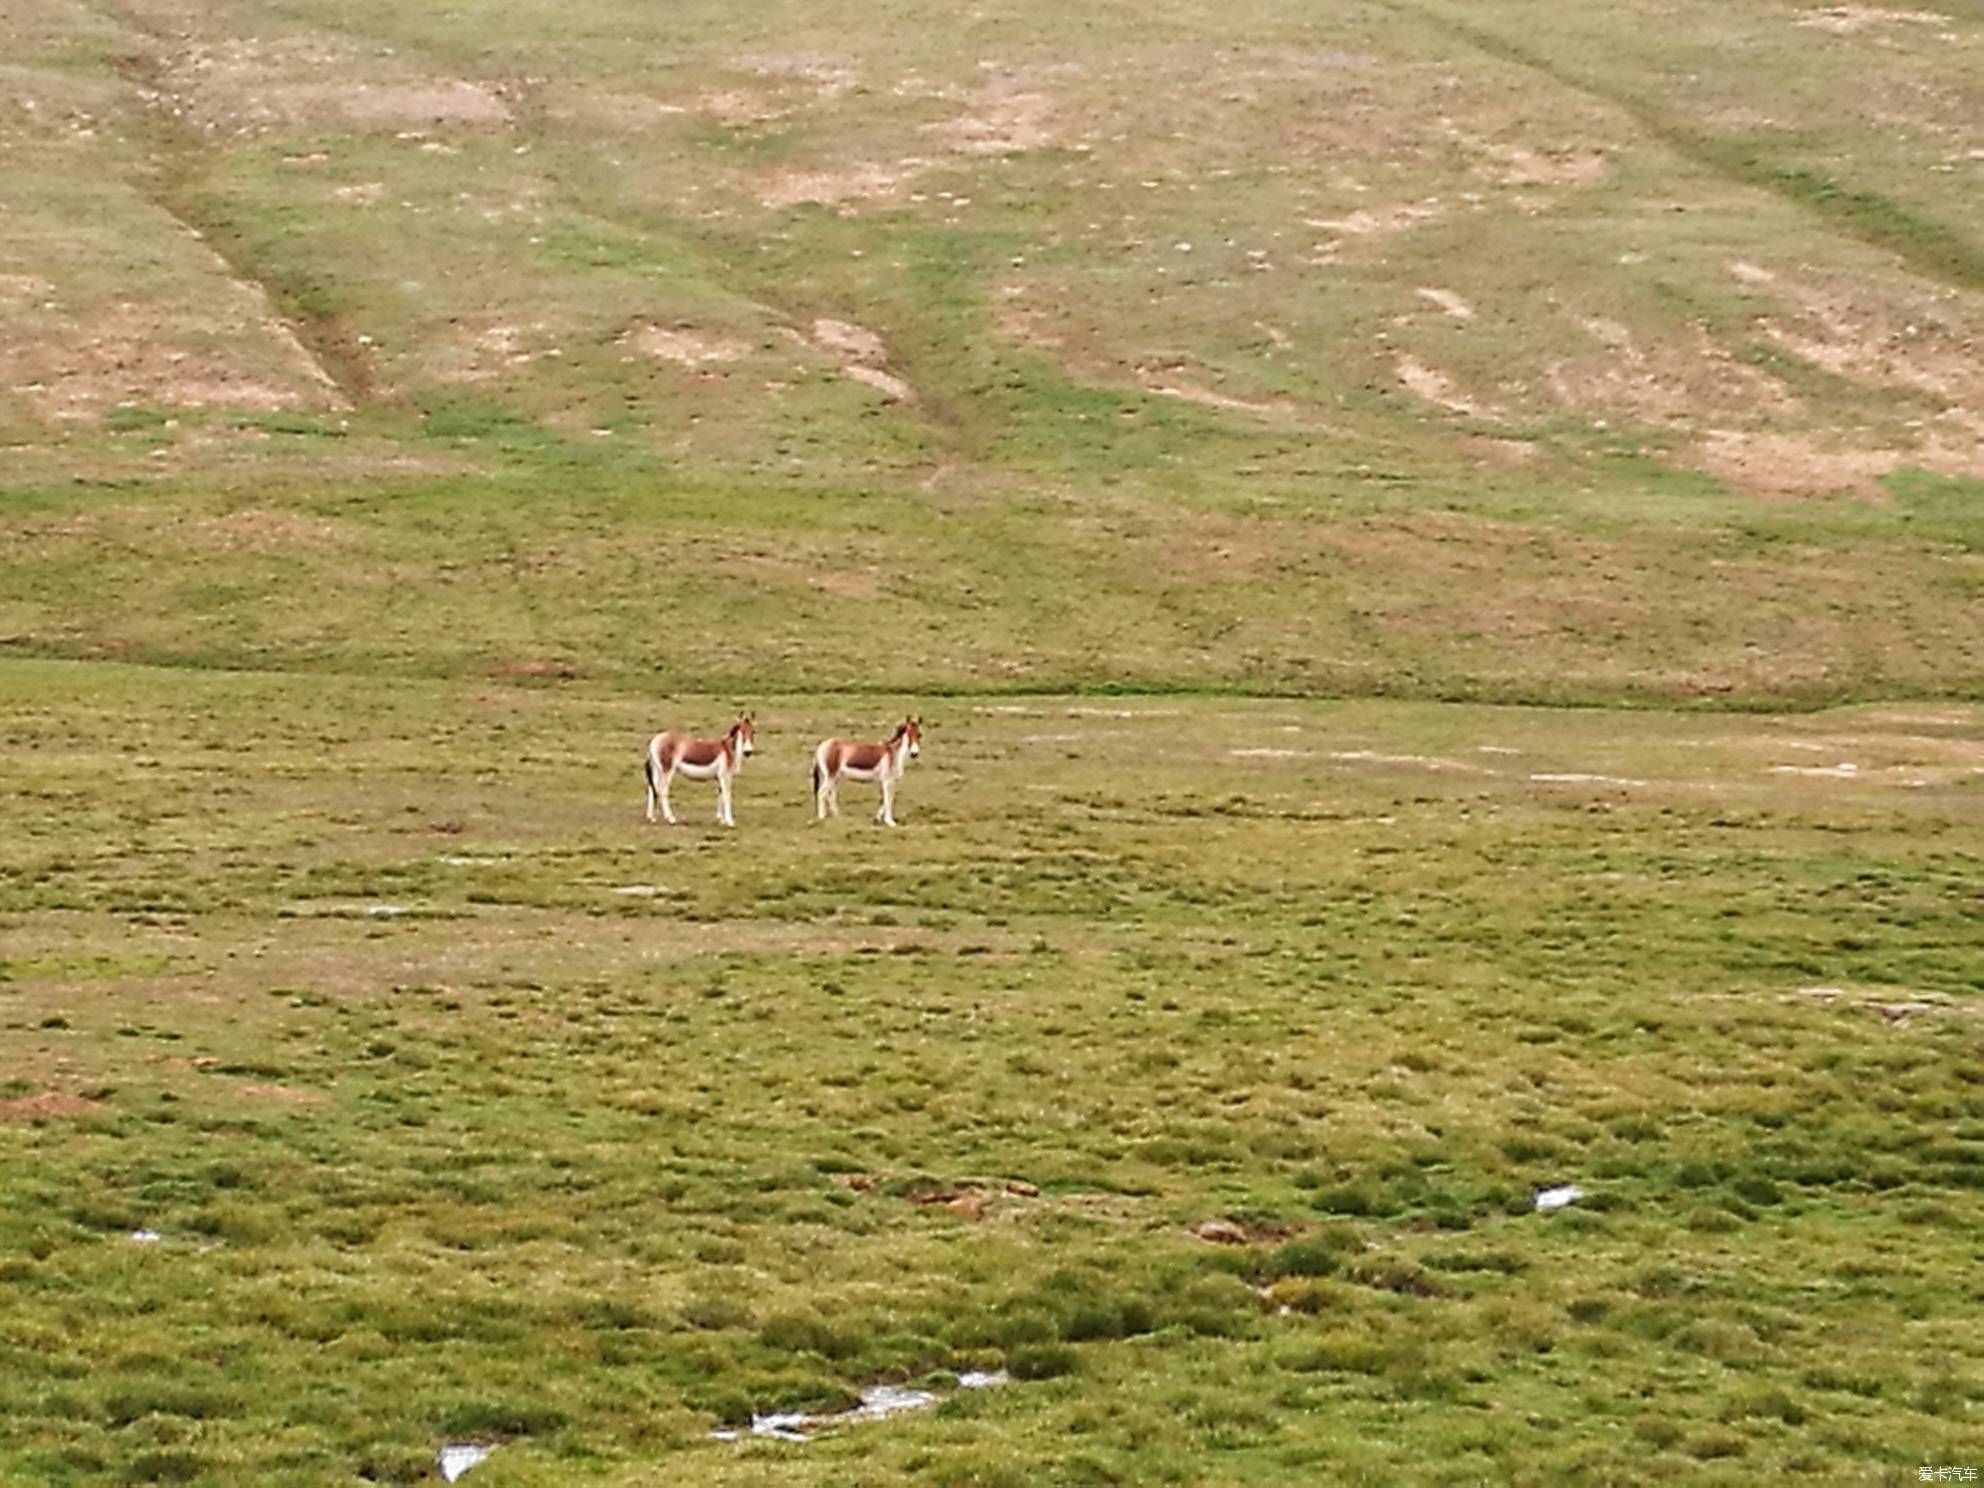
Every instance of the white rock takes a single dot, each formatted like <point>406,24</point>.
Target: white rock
<point>458,1457</point>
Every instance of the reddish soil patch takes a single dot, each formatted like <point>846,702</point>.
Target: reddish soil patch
<point>1787,465</point>
<point>48,1103</point>
<point>1235,1232</point>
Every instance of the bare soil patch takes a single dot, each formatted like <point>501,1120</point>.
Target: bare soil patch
<point>1787,465</point>
<point>1844,20</point>
<point>1172,387</point>
<point>1435,386</point>
<point>1008,114</point>
<point>481,348</point>
<point>257,529</point>
<point>241,355</point>
<point>893,388</point>
<point>831,186</point>
<point>1368,222</point>
<point>1506,453</point>
<point>610,109</point>
<point>848,583</point>
<point>850,342</point>
<point>1924,345</point>
<point>249,85</point>
<point>19,291</point>
<point>1771,464</point>
<point>829,74</point>
<point>1004,118</point>
<point>1517,165</point>
<point>47,1104</point>
<point>1448,301</point>
<point>739,108</point>
<point>684,345</point>
<point>437,101</point>
<point>1662,382</point>
<point>863,357</point>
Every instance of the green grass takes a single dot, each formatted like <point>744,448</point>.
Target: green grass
<point>573,565</point>
<point>533,1160</point>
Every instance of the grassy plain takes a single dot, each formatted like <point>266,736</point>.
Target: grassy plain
<point>1440,543</point>
<point>469,1107</point>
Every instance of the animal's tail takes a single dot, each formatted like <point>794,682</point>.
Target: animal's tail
<point>648,769</point>
<point>816,777</point>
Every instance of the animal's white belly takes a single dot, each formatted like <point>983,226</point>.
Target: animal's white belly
<point>698,772</point>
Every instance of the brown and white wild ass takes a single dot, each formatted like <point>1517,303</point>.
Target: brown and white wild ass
<point>699,759</point>
<point>881,763</point>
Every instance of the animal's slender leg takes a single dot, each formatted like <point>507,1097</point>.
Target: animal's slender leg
<point>667,811</point>
<point>887,815</point>
<point>723,801</point>
<point>647,772</point>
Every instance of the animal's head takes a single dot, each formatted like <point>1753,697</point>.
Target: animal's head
<point>912,730</point>
<point>745,733</point>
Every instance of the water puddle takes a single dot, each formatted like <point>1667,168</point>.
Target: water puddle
<point>1894,1010</point>
<point>178,1245</point>
<point>1377,757</point>
<point>1579,779</point>
<point>878,1403</point>
<point>458,1457</point>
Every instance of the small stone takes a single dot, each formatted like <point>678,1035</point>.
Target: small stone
<point>1220,1232</point>
<point>457,1458</point>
